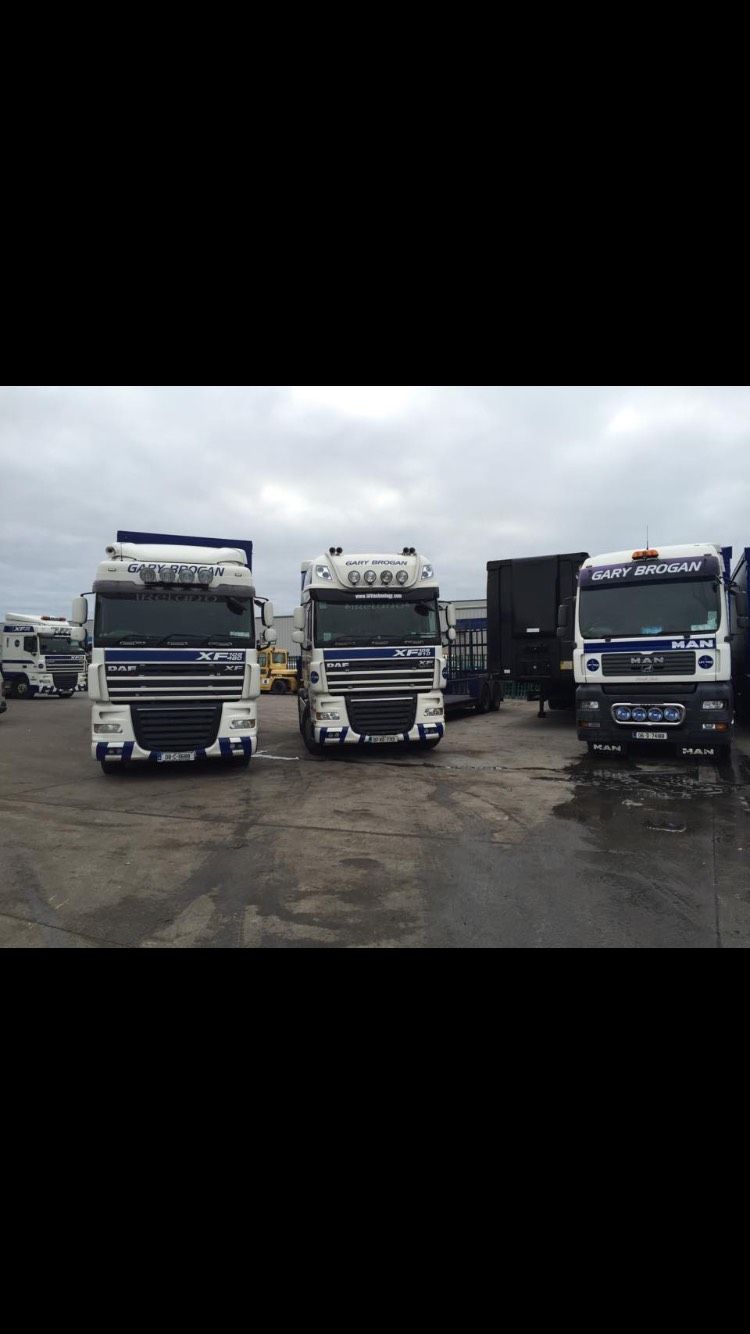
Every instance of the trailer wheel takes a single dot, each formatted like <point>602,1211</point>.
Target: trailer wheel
<point>497,695</point>
<point>485,698</point>
<point>279,688</point>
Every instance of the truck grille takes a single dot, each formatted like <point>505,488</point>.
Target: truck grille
<point>64,681</point>
<point>175,680</point>
<point>680,662</point>
<point>374,674</point>
<point>183,727</point>
<point>380,715</point>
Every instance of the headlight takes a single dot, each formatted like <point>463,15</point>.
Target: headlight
<point>323,572</point>
<point>247,723</point>
<point>427,572</point>
<point>354,576</point>
<point>656,715</point>
<point>623,715</point>
<point>107,727</point>
<point>713,704</point>
<point>402,576</point>
<point>370,576</point>
<point>386,576</point>
<point>638,715</point>
<point>587,704</point>
<point>148,574</point>
<point>328,717</point>
<point>432,713</point>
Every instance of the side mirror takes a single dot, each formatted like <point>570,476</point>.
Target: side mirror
<point>450,615</point>
<point>564,620</point>
<point>451,632</point>
<point>80,612</point>
<point>298,636</point>
<point>78,633</point>
<point>267,613</point>
<point>298,621</point>
<point>269,635</point>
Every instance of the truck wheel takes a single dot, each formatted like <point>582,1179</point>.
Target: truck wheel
<point>279,688</point>
<point>110,767</point>
<point>485,699</point>
<point>308,736</point>
<point>21,688</point>
<point>430,742</point>
<point>497,695</point>
<point>65,694</point>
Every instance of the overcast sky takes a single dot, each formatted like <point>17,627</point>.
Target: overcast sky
<point>463,474</point>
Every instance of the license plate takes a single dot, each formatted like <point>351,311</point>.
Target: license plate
<point>651,736</point>
<point>378,739</point>
<point>174,755</point>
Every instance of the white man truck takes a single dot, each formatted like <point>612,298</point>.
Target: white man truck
<point>651,649</point>
<point>174,672</point>
<point>373,662</point>
<point>42,655</point>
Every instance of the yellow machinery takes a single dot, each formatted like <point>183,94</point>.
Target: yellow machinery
<point>275,673</point>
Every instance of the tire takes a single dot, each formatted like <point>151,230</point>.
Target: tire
<point>21,688</point>
<point>279,688</point>
<point>243,763</point>
<point>497,696</point>
<point>431,743</point>
<point>68,694</point>
<point>109,767</point>
<point>485,698</point>
<point>308,736</point>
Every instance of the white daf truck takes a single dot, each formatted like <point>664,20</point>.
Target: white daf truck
<point>42,655</point>
<point>373,662</point>
<point>174,672</point>
<point>651,652</point>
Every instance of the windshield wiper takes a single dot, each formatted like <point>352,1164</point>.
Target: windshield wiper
<point>133,639</point>
<point>181,635</point>
<point>346,639</point>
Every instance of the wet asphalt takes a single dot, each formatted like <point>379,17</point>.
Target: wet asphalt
<point>507,835</point>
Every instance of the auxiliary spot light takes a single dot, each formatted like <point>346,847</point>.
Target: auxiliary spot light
<point>370,576</point>
<point>354,576</point>
<point>402,576</point>
<point>148,574</point>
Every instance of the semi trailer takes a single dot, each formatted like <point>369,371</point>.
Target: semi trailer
<point>42,655</point>
<point>174,672</point>
<point>469,683</point>
<point>651,651</point>
<point>373,660</point>
<point>523,596</point>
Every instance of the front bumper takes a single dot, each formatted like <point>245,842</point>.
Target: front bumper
<point>427,725</point>
<point>230,744</point>
<point>699,732</point>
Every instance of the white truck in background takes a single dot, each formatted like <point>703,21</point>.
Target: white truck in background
<point>42,655</point>
<point>651,651</point>
<point>373,662</point>
<point>174,672</point>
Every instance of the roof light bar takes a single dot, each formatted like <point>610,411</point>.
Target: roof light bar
<point>642,555</point>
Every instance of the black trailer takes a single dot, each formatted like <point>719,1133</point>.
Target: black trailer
<point>469,683</point>
<point>523,597</point>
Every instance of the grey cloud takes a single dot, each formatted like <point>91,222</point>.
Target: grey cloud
<point>463,474</point>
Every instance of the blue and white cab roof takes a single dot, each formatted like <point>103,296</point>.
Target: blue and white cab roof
<point>699,560</point>
<point>19,623</point>
<point>165,560</point>
<point>346,570</point>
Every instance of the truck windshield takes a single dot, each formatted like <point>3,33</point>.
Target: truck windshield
<point>368,621</point>
<point>59,644</point>
<point>178,619</point>
<point>677,607</point>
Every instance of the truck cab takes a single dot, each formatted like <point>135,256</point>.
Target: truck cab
<point>651,650</point>
<point>42,655</point>
<point>277,675</point>
<point>373,662</point>
<point>174,672</point>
